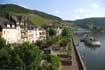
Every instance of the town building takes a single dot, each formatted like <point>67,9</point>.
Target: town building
<point>58,31</point>
<point>17,30</point>
<point>11,35</point>
<point>9,30</point>
<point>36,34</point>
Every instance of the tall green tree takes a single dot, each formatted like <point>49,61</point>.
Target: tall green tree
<point>2,42</point>
<point>30,56</point>
<point>66,32</point>
<point>54,60</point>
<point>21,57</point>
<point>51,32</point>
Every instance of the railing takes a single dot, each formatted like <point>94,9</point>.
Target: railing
<point>81,63</point>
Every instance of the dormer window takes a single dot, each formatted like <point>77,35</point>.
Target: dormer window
<point>8,25</point>
<point>13,26</point>
<point>22,23</point>
<point>17,23</point>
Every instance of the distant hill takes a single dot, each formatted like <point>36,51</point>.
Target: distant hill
<point>98,23</point>
<point>36,17</point>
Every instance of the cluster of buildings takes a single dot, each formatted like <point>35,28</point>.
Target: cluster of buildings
<point>18,29</point>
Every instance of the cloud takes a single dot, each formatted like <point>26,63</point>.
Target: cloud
<point>57,11</point>
<point>80,10</point>
<point>94,5</point>
<point>90,15</point>
<point>74,17</point>
<point>77,17</point>
<point>23,6</point>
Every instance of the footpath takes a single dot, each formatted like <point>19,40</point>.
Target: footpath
<point>74,65</point>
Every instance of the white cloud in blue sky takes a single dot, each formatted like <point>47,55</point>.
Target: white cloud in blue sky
<point>81,10</point>
<point>95,5</point>
<point>57,11</point>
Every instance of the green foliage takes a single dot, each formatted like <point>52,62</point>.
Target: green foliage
<point>51,32</point>
<point>30,52</point>
<point>54,60</point>
<point>24,56</point>
<point>66,32</point>
<point>2,42</point>
<point>9,59</point>
<point>56,40</point>
<point>63,42</point>
<point>41,44</point>
<point>67,24</point>
<point>69,49</point>
<point>36,17</point>
<point>51,40</point>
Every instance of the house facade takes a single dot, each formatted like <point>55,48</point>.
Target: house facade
<point>11,35</point>
<point>58,31</point>
<point>36,34</point>
<point>16,30</point>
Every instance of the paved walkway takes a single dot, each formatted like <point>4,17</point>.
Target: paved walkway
<point>74,65</point>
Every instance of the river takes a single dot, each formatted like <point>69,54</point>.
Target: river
<point>94,57</point>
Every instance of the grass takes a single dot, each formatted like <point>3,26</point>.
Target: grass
<point>36,17</point>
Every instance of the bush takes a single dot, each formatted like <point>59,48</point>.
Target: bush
<point>54,60</point>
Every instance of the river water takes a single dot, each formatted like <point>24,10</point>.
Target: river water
<point>94,57</point>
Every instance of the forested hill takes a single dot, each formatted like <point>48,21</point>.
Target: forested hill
<point>36,17</point>
<point>91,22</point>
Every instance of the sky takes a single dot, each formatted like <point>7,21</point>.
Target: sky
<point>65,9</point>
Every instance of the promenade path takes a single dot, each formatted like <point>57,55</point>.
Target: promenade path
<point>74,65</point>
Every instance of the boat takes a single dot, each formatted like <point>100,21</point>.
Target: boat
<point>90,41</point>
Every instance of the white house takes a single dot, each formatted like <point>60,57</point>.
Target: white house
<point>16,30</point>
<point>58,31</point>
<point>42,34</point>
<point>32,35</point>
<point>36,34</point>
<point>12,35</point>
<point>10,29</point>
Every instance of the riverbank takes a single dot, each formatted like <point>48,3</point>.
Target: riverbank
<point>77,62</point>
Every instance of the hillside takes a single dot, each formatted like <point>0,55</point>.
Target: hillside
<point>98,23</point>
<point>36,17</point>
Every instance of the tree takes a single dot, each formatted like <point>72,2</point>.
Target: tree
<point>23,57</point>
<point>41,44</point>
<point>2,42</point>
<point>9,59</point>
<point>30,56</point>
<point>51,32</point>
<point>54,60</point>
<point>65,32</point>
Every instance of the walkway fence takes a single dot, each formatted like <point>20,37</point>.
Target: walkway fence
<point>81,63</point>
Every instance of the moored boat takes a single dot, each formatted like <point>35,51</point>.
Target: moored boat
<point>91,41</point>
